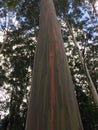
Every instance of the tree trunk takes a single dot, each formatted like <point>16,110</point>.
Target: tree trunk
<point>91,84</point>
<point>53,105</point>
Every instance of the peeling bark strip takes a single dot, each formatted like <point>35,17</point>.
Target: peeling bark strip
<point>53,104</point>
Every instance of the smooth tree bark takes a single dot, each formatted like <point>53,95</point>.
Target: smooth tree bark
<point>53,104</point>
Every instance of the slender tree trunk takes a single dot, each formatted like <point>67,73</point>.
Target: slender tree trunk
<point>53,105</point>
<point>91,84</point>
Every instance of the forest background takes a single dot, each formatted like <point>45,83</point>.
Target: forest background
<point>19,27</point>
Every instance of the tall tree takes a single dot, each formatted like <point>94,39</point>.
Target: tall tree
<point>53,104</point>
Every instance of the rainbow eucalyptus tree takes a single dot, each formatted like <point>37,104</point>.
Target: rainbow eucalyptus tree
<point>53,105</point>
